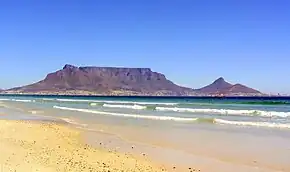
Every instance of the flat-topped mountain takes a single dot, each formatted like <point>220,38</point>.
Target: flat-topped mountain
<point>105,80</point>
<point>72,80</point>
<point>220,86</point>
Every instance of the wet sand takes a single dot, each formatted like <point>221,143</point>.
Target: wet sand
<point>202,150</point>
<point>49,147</point>
<point>205,151</point>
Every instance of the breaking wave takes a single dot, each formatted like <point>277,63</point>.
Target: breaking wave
<point>170,107</point>
<point>125,106</point>
<point>181,119</point>
<point>18,100</point>
<point>227,111</point>
<point>255,124</point>
<point>113,102</point>
<point>265,102</point>
<point>4,99</point>
<point>127,115</point>
<point>22,100</point>
<point>204,111</point>
<point>96,104</point>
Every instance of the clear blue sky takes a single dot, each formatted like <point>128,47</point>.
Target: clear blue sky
<point>191,41</point>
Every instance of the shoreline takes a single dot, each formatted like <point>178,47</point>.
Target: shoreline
<point>159,147</point>
<point>49,146</point>
<point>36,145</point>
<point>149,157</point>
<point>139,95</point>
<point>203,160</point>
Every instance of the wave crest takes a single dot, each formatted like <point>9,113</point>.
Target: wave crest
<point>125,106</point>
<point>226,111</point>
<point>256,124</point>
<point>126,115</point>
<point>113,102</point>
<point>194,110</point>
<point>18,100</point>
<point>181,119</point>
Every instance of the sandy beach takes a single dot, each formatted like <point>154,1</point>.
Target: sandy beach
<point>49,147</point>
<point>34,136</point>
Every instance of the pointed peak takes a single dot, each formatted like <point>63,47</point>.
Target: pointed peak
<point>68,66</point>
<point>220,79</point>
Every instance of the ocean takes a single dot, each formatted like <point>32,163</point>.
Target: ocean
<point>248,131</point>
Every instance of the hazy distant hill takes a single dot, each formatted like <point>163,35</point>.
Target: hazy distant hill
<point>106,80</point>
<point>220,86</point>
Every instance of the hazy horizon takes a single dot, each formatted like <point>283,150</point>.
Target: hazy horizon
<point>191,42</point>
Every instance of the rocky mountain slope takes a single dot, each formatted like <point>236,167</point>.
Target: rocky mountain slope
<point>220,86</point>
<point>74,80</point>
<point>105,80</point>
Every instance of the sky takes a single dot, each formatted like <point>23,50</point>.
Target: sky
<point>193,42</point>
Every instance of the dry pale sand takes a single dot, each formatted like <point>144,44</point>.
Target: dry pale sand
<point>27,146</point>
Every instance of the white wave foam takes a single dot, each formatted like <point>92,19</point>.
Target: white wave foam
<point>127,115</point>
<point>72,100</point>
<point>17,100</point>
<point>125,106</point>
<point>47,99</point>
<point>226,111</point>
<point>217,121</point>
<point>22,100</point>
<point>114,102</point>
<point>4,99</point>
<point>256,124</point>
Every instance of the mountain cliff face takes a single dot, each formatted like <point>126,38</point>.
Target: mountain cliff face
<point>105,80</point>
<point>220,86</point>
<point>74,80</point>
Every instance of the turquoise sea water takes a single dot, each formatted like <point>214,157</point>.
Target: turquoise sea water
<point>248,112</point>
<point>180,115</point>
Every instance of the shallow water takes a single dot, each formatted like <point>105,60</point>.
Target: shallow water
<point>245,132</point>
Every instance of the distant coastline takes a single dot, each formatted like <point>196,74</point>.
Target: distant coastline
<point>265,96</point>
